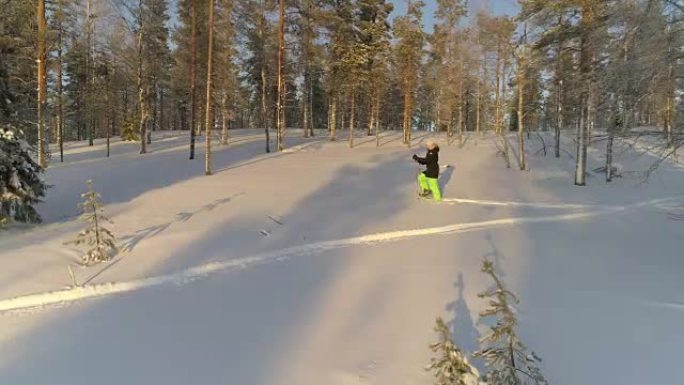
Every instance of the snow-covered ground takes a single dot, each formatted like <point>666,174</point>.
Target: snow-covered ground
<point>319,266</point>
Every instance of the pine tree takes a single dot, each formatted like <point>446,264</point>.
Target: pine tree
<point>18,80</point>
<point>258,66</point>
<point>409,52</point>
<point>507,359</point>
<point>21,187</point>
<point>226,72</point>
<point>448,55</point>
<point>98,239</point>
<point>450,367</point>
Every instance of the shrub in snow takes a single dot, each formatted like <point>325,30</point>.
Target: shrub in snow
<point>98,240</point>
<point>129,133</point>
<point>507,360</point>
<point>450,366</point>
<point>20,185</point>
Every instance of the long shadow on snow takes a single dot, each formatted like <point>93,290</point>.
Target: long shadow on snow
<point>355,198</point>
<point>462,327</point>
<point>134,176</point>
<point>230,327</point>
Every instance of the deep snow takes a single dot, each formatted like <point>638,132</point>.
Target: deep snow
<point>319,265</point>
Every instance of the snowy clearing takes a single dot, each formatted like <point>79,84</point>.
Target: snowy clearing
<point>363,266</point>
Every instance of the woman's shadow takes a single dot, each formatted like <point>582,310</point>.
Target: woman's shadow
<point>445,178</point>
<point>462,327</point>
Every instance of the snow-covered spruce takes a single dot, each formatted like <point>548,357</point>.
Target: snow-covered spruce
<point>507,359</point>
<point>20,184</point>
<point>450,366</point>
<point>129,133</point>
<point>98,239</point>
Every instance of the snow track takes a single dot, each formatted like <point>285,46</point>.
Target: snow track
<point>73,294</point>
<point>568,206</point>
<point>661,203</point>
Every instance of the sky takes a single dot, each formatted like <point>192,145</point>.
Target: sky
<point>497,7</point>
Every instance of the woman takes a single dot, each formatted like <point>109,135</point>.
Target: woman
<point>428,179</point>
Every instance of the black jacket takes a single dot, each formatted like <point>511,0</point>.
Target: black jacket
<point>431,160</point>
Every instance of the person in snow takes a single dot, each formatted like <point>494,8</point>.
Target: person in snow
<point>428,178</point>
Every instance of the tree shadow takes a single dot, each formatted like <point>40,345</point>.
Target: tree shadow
<point>314,144</point>
<point>329,212</point>
<point>258,310</point>
<point>393,137</point>
<point>167,167</point>
<point>130,242</point>
<point>462,325</point>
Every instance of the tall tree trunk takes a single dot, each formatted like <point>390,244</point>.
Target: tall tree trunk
<point>503,129</point>
<point>333,117</point>
<point>609,151</point>
<point>460,105</point>
<point>581,165</point>
<point>670,90</point>
<point>482,90</point>
<point>305,105</point>
<point>377,118</point>
<point>59,85</point>
<point>310,105</point>
<point>42,81</point>
<point>89,75</point>
<point>163,125</point>
<point>559,118</point>
<point>193,77</point>
<point>155,106</point>
<point>142,94</point>
<point>224,119</point>
<point>208,122</point>
<point>352,111</point>
<point>497,112</point>
<point>110,121</point>
<point>521,110</point>
<point>371,114</point>
<point>586,69</point>
<point>559,94</point>
<point>280,108</point>
<point>407,113</point>
<point>478,99</point>
<point>264,113</point>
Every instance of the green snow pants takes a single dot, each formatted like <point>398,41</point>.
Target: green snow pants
<point>430,184</point>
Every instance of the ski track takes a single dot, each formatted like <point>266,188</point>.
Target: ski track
<point>73,294</point>
<point>660,203</point>
<point>480,202</point>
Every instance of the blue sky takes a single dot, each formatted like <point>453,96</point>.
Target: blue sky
<point>497,7</point>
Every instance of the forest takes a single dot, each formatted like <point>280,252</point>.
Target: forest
<point>324,245</point>
<point>73,70</point>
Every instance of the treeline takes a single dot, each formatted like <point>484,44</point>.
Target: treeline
<point>128,67</point>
